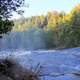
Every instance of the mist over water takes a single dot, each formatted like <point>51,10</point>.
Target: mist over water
<point>28,40</point>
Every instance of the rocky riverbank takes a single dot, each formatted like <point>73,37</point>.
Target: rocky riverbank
<point>10,70</point>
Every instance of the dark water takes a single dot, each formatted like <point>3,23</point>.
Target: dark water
<point>49,63</point>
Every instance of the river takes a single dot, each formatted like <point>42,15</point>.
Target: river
<point>49,64</point>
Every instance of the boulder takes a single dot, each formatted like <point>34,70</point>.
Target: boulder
<point>10,70</point>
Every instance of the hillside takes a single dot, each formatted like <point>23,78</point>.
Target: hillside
<point>53,31</point>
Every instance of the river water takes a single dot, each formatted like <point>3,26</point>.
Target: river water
<point>52,64</point>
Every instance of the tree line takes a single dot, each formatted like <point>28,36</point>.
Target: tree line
<point>56,29</point>
<point>60,30</point>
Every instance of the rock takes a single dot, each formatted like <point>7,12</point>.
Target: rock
<point>3,77</point>
<point>10,70</point>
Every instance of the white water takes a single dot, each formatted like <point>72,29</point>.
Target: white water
<point>51,61</point>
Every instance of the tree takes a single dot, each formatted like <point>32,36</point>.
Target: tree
<point>7,7</point>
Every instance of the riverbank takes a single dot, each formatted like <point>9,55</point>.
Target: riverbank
<point>10,70</point>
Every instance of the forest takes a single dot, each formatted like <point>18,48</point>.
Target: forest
<point>56,30</point>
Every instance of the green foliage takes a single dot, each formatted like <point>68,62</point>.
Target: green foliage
<point>5,26</point>
<point>60,30</point>
<point>7,7</point>
<point>49,39</point>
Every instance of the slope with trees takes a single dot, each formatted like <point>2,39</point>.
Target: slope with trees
<point>59,30</point>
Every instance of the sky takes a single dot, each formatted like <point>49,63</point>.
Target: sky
<point>39,7</point>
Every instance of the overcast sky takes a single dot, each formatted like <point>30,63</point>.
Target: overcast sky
<point>38,7</point>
